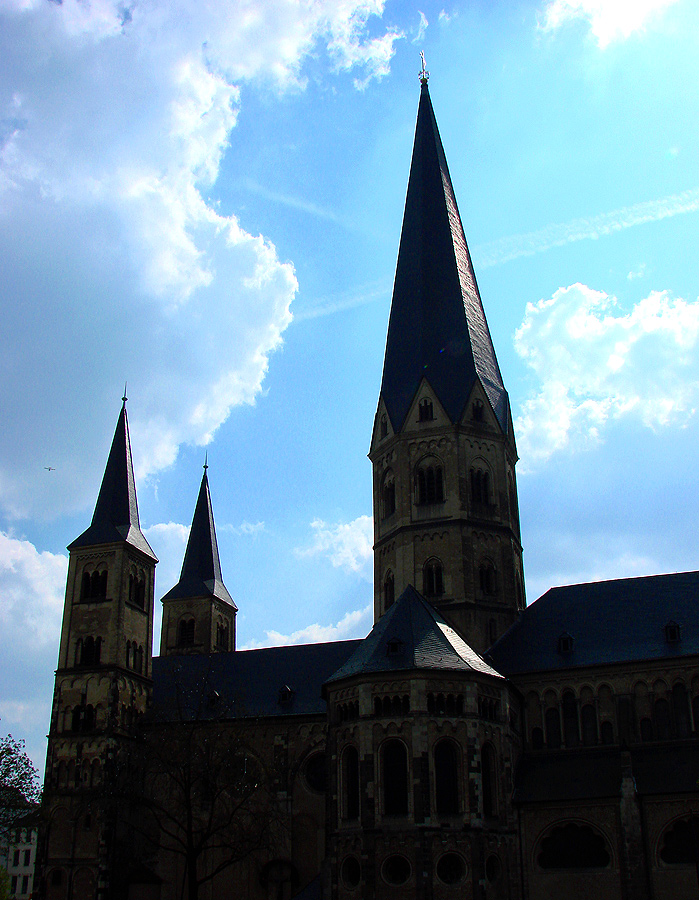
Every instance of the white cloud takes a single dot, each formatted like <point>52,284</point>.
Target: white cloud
<point>32,587</point>
<point>353,624</point>
<point>348,545</point>
<point>504,249</point>
<point>609,20</point>
<point>595,364</point>
<point>116,267</point>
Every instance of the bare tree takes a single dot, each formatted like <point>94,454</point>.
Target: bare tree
<point>201,788</point>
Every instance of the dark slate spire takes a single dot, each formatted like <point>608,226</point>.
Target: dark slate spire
<point>412,635</point>
<point>116,513</point>
<point>201,569</point>
<point>437,327</point>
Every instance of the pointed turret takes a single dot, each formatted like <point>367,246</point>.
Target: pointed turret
<point>437,328</point>
<point>443,448</point>
<point>201,569</point>
<point>116,513</point>
<point>198,612</point>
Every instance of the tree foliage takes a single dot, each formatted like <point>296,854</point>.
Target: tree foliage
<point>19,783</point>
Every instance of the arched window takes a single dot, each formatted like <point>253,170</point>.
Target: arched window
<point>492,631</point>
<point>489,775</point>
<point>477,410</point>
<point>425,410</point>
<point>480,486</point>
<point>185,635</point>
<point>85,586</point>
<point>222,635</point>
<point>129,662</point>
<point>91,651</point>
<point>383,426</point>
<point>588,714</point>
<point>553,729</point>
<point>537,738</point>
<point>573,846</point>
<point>661,719</point>
<point>571,730</point>
<point>680,710</point>
<point>680,842</point>
<point>432,578</point>
<point>395,778</point>
<point>625,713</point>
<point>607,733</point>
<point>646,729</point>
<point>388,495</point>
<point>429,483</point>
<point>446,777</point>
<point>388,590</point>
<point>350,783</point>
<point>486,577</point>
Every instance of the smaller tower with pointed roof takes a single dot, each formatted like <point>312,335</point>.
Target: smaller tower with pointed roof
<point>198,612</point>
<point>443,448</point>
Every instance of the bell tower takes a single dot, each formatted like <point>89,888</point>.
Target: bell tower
<point>198,612</point>
<point>443,449</point>
<point>103,682</point>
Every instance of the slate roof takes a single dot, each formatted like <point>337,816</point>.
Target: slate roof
<point>412,635</point>
<point>609,622</point>
<point>116,513</point>
<point>247,682</point>
<point>592,774</point>
<point>201,569</point>
<point>437,328</point>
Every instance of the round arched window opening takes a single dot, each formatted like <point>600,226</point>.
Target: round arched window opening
<point>395,870</point>
<point>451,869</point>
<point>315,772</point>
<point>492,868</point>
<point>350,872</point>
<point>573,846</point>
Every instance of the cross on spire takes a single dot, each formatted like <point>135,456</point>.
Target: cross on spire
<point>424,74</point>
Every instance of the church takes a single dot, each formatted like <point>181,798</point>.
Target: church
<point>470,746</point>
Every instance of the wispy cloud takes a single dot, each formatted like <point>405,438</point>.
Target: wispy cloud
<point>293,202</point>
<point>368,293</point>
<point>505,249</point>
<point>422,28</point>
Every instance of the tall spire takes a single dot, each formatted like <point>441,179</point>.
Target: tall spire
<point>437,328</point>
<point>201,569</point>
<point>116,513</point>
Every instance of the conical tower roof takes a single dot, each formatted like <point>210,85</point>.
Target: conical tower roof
<point>412,635</point>
<point>437,327</point>
<point>116,514</point>
<point>201,569</point>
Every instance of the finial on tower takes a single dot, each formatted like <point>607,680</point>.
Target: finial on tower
<point>206,460</point>
<point>424,74</point>
<point>124,398</point>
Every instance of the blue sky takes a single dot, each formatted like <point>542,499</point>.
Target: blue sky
<point>205,201</point>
